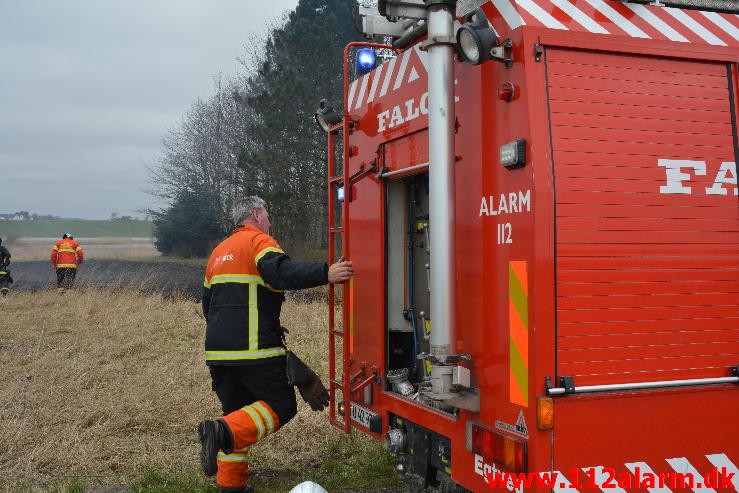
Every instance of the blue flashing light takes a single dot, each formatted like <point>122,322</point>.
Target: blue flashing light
<point>365,60</point>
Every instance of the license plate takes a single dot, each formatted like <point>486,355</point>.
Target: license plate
<point>362,415</point>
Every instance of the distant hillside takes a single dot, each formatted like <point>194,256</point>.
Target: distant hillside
<point>77,227</point>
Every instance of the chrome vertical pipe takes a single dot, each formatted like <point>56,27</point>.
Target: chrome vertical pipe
<point>441,175</point>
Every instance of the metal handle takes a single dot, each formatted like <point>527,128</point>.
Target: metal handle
<point>640,385</point>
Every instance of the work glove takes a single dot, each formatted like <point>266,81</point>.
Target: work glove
<point>308,383</point>
<point>314,393</point>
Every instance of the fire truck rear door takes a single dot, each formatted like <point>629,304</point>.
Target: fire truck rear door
<point>647,260</point>
<point>647,245</point>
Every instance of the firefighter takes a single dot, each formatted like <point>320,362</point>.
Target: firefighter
<point>66,255</point>
<point>242,296</point>
<point>5,279</point>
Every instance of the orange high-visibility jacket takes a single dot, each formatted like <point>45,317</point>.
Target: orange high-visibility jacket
<point>66,254</point>
<point>243,294</point>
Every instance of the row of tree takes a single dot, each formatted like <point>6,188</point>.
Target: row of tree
<point>256,136</point>
<point>27,216</point>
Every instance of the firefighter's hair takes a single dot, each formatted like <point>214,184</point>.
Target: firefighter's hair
<point>243,207</point>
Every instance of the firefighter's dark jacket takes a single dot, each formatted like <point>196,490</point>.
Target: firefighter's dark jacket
<point>243,294</point>
<point>4,256</point>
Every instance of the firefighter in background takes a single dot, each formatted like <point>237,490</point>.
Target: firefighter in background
<point>5,279</point>
<point>242,296</point>
<point>66,255</point>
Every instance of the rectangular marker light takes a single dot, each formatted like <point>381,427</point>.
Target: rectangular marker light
<point>513,154</point>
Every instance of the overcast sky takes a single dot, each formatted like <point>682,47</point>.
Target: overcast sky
<point>89,88</point>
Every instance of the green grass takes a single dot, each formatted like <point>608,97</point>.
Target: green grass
<point>78,227</point>
<point>349,462</point>
<point>185,481</point>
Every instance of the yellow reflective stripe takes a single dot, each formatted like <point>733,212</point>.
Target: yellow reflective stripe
<point>69,250</point>
<point>239,355</point>
<point>235,457</point>
<point>265,252</point>
<point>253,318</point>
<point>206,284</point>
<point>2,272</point>
<point>257,421</point>
<point>78,249</point>
<point>238,278</point>
<point>266,416</point>
<point>66,266</point>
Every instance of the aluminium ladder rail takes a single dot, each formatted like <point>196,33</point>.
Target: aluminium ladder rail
<point>344,180</point>
<point>335,385</point>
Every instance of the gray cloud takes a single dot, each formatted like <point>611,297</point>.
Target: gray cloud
<point>89,88</point>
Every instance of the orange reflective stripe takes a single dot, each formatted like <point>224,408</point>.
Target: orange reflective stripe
<point>233,470</point>
<point>251,423</point>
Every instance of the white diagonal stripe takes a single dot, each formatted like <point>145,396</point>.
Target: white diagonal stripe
<point>423,56</point>
<point>509,13</point>
<point>541,14</point>
<point>401,71</point>
<point>603,480</point>
<point>721,460</point>
<point>562,484</point>
<point>694,26</point>
<point>580,17</point>
<point>638,469</point>
<point>388,76</point>
<point>617,19</point>
<point>656,22</point>
<point>350,97</point>
<point>722,23</point>
<point>362,90</point>
<point>375,81</point>
<point>682,466</point>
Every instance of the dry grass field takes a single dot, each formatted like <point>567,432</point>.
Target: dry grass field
<point>102,388</point>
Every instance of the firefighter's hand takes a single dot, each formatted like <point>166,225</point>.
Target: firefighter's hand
<point>315,394</point>
<point>341,271</point>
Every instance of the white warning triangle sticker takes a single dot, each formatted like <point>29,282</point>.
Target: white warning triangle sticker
<point>413,75</point>
<point>521,424</point>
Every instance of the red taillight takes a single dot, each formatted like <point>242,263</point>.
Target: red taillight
<point>483,443</point>
<point>506,91</point>
<point>504,450</point>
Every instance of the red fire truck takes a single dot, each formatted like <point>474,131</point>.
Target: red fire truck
<point>540,201</point>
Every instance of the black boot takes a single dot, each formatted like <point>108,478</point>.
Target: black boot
<point>245,489</point>
<point>214,436</point>
<point>209,447</point>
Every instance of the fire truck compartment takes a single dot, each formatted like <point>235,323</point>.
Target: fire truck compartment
<point>647,264</point>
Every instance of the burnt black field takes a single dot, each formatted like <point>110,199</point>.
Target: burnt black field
<point>171,279</point>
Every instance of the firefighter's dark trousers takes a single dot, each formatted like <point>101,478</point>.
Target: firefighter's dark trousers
<point>256,401</point>
<point>65,278</point>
